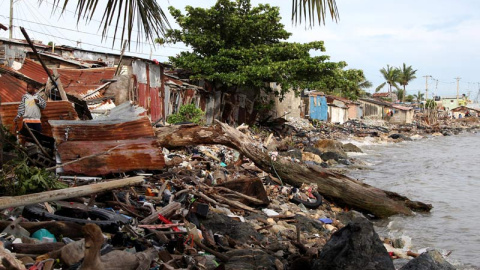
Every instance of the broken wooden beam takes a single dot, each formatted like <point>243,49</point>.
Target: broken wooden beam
<point>67,193</point>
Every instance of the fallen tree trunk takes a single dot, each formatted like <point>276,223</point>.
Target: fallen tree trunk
<point>339,188</point>
<point>66,193</point>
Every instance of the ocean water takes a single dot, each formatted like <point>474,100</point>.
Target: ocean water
<point>442,171</point>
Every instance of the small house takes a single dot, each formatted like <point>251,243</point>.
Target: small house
<point>401,114</point>
<point>462,110</point>
<point>354,108</point>
<point>318,108</point>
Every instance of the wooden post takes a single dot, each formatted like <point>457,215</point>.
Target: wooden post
<point>61,194</point>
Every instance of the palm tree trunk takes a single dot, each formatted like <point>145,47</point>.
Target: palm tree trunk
<point>404,93</point>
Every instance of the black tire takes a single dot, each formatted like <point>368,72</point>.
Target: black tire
<point>107,220</point>
<point>308,204</point>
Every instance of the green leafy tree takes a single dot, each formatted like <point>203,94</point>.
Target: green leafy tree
<point>407,74</point>
<point>391,75</point>
<point>152,22</point>
<point>235,44</point>
<point>354,85</point>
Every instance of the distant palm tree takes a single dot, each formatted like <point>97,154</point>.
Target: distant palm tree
<point>361,86</point>
<point>152,22</point>
<point>407,74</point>
<point>391,75</point>
<point>418,97</point>
<point>400,94</point>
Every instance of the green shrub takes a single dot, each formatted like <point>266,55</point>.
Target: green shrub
<point>187,113</point>
<point>18,178</point>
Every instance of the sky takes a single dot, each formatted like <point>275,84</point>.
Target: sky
<point>438,38</point>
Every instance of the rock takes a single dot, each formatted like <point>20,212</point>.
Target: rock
<point>350,147</point>
<point>436,134</point>
<point>311,157</point>
<point>356,246</point>
<point>397,136</point>
<point>331,146</point>
<point>277,228</point>
<point>430,260</point>
<point>416,137</point>
<point>250,259</point>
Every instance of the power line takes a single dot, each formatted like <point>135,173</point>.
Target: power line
<point>93,44</point>
<point>83,32</point>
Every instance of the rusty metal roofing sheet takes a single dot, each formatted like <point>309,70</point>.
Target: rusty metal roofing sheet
<point>55,110</point>
<point>34,70</point>
<point>129,155</point>
<point>79,81</point>
<point>11,88</point>
<point>101,130</point>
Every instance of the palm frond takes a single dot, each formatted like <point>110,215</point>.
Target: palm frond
<point>380,87</point>
<point>149,16</point>
<point>314,10</point>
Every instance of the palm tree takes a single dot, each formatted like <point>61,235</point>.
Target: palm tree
<point>152,22</point>
<point>418,97</point>
<point>361,86</point>
<point>400,94</point>
<point>407,74</point>
<point>391,75</point>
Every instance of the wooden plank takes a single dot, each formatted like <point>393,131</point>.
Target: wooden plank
<point>66,193</point>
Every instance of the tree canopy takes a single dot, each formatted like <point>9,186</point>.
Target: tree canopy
<point>235,44</point>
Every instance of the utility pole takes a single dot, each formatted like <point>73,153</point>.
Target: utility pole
<point>10,35</point>
<point>458,86</point>
<point>426,86</point>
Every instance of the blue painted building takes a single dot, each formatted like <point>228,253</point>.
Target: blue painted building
<point>318,108</point>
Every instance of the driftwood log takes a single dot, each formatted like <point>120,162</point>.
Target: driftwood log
<point>341,189</point>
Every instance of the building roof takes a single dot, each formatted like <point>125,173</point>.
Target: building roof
<point>376,101</point>
<point>342,99</point>
<point>400,107</point>
<point>80,64</point>
<point>381,94</point>
<point>34,70</point>
<point>80,82</point>
<point>11,88</point>
<point>386,104</point>
<point>24,42</point>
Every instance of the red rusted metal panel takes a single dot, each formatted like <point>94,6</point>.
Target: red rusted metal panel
<point>11,88</point>
<point>156,105</point>
<point>55,110</point>
<point>79,81</point>
<point>143,94</point>
<point>34,70</point>
<point>138,154</point>
<point>101,130</point>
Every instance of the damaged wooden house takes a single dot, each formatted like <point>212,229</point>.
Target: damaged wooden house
<point>83,115</point>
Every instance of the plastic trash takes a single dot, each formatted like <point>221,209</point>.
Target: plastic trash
<point>325,220</point>
<point>44,236</point>
<point>270,212</point>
